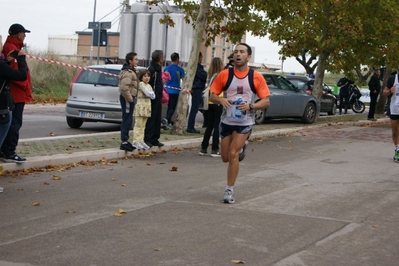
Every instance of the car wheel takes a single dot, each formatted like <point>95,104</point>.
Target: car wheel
<point>309,115</point>
<point>74,122</point>
<point>333,110</point>
<point>260,116</point>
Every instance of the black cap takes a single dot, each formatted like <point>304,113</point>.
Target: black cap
<point>17,28</point>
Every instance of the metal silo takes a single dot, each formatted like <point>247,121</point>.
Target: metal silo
<point>157,36</point>
<point>142,36</point>
<point>187,42</point>
<point>174,35</point>
<point>127,34</point>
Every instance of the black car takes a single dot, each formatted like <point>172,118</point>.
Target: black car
<point>328,103</point>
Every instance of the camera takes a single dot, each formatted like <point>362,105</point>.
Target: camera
<point>15,53</point>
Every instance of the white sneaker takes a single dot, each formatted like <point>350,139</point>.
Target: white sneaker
<point>138,145</point>
<point>145,146</point>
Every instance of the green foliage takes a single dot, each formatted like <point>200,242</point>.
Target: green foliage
<point>50,82</point>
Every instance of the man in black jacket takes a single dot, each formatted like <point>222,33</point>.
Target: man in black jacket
<point>152,131</point>
<point>344,92</point>
<point>196,95</point>
<point>375,88</point>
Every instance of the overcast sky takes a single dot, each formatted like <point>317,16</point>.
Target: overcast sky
<point>46,18</point>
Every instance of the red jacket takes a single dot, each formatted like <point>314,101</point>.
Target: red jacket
<point>21,91</point>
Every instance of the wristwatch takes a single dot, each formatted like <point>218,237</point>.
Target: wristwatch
<point>251,106</point>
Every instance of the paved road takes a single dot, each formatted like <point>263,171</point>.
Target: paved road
<point>320,196</point>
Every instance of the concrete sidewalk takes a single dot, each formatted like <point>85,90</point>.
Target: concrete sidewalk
<point>60,150</point>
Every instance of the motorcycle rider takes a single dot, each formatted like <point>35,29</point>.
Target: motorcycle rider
<point>344,93</point>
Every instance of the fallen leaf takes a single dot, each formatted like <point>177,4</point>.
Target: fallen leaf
<point>238,261</point>
<point>46,183</point>
<point>117,214</point>
<point>53,134</point>
<point>157,249</point>
<point>149,164</point>
<point>174,168</point>
<point>69,211</point>
<point>121,211</point>
<point>123,185</point>
<point>113,179</point>
<point>375,225</point>
<point>36,203</point>
<point>56,177</point>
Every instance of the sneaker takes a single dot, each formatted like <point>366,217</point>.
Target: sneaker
<point>145,146</point>
<point>215,154</point>
<point>138,145</point>
<point>228,196</point>
<point>396,156</point>
<point>13,159</point>
<point>165,124</point>
<point>203,152</point>
<point>127,146</point>
<point>241,156</point>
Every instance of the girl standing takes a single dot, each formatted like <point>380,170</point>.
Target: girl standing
<point>214,112</point>
<point>142,110</point>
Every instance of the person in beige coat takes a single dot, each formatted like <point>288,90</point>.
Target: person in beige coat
<point>128,86</point>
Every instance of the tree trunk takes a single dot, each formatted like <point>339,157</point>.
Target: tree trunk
<point>319,77</point>
<point>180,115</point>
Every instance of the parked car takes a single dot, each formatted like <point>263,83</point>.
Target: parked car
<point>328,102</point>
<point>287,101</point>
<point>94,96</point>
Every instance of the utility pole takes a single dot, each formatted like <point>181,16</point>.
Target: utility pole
<point>92,33</point>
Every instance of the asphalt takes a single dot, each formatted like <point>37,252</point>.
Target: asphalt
<point>63,150</point>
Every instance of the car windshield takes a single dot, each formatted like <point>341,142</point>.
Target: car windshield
<point>89,77</point>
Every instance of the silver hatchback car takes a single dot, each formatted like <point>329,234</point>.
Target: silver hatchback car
<point>94,97</point>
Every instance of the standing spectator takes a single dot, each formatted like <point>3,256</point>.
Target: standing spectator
<point>344,92</point>
<point>128,85</point>
<point>375,89</point>
<point>8,73</point>
<point>142,109</point>
<point>21,92</point>
<point>214,112</point>
<point>392,90</point>
<point>196,95</point>
<point>231,61</point>
<point>238,115</point>
<point>173,87</point>
<point>153,126</point>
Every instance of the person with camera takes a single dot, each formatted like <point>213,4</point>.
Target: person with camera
<point>21,92</point>
<point>344,93</point>
<point>7,73</point>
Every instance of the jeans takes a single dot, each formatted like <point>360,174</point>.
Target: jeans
<point>152,131</point>
<point>196,98</point>
<point>373,103</point>
<point>173,98</point>
<point>214,112</point>
<point>127,117</point>
<point>4,129</point>
<point>11,141</point>
<point>341,102</point>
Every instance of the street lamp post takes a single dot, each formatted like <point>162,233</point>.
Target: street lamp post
<point>92,33</point>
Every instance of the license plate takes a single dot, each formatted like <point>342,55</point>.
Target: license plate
<point>91,115</point>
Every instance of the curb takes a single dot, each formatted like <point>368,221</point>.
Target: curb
<point>114,153</point>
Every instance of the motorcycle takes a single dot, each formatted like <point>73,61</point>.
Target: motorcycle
<point>354,102</point>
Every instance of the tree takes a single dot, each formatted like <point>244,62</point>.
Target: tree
<point>343,34</point>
